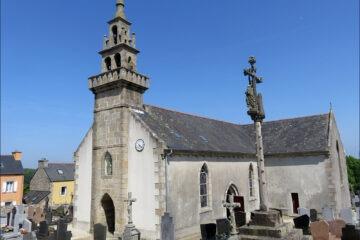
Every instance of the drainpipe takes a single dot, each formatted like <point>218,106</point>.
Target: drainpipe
<point>167,153</point>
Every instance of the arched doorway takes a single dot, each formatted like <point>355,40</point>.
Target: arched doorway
<point>109,209</point>
<point>240,215</point>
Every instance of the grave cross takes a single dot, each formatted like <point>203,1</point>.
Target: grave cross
<point>129,202</point>
<point>231,205</point>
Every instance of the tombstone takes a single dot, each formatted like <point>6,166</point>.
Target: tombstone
<point>12,218</point>
<point>358,213</point>
<point>29,236</point>
<point>100,231</point>
<point>240,218</point>
<point>304,211</point>
<point>313,215</point>
<point>335,227</point>
<point>347,215</point>
<point>62,233</point>
<point>31,212</point>
<point>223,227</point>
<point>167,227</point>
<point>21,212</point>
<point>208,231</point>
<point>320,230</point>
<point>8,217</point>
<point>16,222</point>
<point>39,215</point>
<point>328,214</point>
<point>131,233</point>
<point>349,232</point>
<point>27,226</point>
<point>43,229</point>
<point>302,222</point>
<point>357,204</point>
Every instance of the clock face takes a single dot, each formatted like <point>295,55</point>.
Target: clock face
<point>139,145</point>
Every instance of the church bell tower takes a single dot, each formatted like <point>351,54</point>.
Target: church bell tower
<point>117,89</point>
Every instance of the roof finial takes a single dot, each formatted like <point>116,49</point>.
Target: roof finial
<point>120,5</point>
<point>331,107</point>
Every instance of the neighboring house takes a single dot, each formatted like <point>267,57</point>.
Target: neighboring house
<point>11,179</point>
<point>56,178</point>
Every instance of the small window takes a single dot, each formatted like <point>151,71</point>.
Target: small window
<point>108,164</point>
<point>9,187</point>
<point>61,172</point>
<point>63,190</point>
<point>108,63</point>
<point>204,185</point>
<point>115,33</point>
<point>117,59</point>
<point>8,204</point>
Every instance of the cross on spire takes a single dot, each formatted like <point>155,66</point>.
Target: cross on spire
<point>231,205</point>
<point>129,202</point>
<point>120,5</point>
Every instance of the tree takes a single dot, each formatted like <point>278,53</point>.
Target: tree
<point>353,169</point>
<point>28,174</point>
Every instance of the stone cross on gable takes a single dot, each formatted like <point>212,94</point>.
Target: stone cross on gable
<point>231,205</point>
<point>129,202</point>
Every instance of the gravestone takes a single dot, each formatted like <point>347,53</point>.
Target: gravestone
<point>29,236</point>
<point>304,211</point>
<point>349,232</point>
<point>61,232</point>
<point>27,225</point>
<point>358,213</point>
<point>336,226</point>
<point>43,229</point>
<point>208,231</point>
<point>31,212</point>
<point>223,227</point>
<point>16,222</point>
<point>313,215</point>
<point>320,230</point>
<point>100,232</point>
<point>347,215</point>
<point>167,227</point>
<point>8,218</point>
<point>328,214</point>
<point>240,218</point>
<point>302,222</point>
<point>12,218</point>
<point>130,232</point>
<point>39,215</point>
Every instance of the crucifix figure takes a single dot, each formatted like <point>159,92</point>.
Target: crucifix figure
<point>129,202</point>
<point>256,112</point>
<point>231,205</point>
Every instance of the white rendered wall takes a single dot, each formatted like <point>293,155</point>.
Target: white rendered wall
<point>83,170</point>
<point>305,175</point>
<point>142,180</point>
<point>184,191</point>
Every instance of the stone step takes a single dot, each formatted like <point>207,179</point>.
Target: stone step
<point>276,232</point>
<point>295,234</point>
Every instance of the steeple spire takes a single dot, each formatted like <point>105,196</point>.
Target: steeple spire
<point>120,5</point>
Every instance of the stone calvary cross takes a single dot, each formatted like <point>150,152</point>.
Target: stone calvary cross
<point>129,202</point>
<point>256,112</point>
<point>231,205</point>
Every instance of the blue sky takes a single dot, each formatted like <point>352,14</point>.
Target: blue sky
<point>194,53</point>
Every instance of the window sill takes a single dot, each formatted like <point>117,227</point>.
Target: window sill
<point>205,209</point>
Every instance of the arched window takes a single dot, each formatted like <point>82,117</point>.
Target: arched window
<point>339,161</point>
<point>117,59</point>
<point>115,33</point>
<point>251,181</point>
<point>204,186</point>
<point>108,164</point>
<point>108,63</point>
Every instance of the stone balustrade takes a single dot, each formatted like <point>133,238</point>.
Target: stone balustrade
<point>119,74</point>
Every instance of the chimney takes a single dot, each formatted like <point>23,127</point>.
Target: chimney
<point>17,155</point>
<point>43,163</point>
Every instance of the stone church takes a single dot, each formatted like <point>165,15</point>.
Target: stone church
<point>186,165</point>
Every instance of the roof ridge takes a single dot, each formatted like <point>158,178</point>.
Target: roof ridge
<point>193,115</point>
<point>293,118</point>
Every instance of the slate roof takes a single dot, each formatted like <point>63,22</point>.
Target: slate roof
<point>186,132</point>
<point>67,171</point>
<point>10,166</point>
<point>35,197</point>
